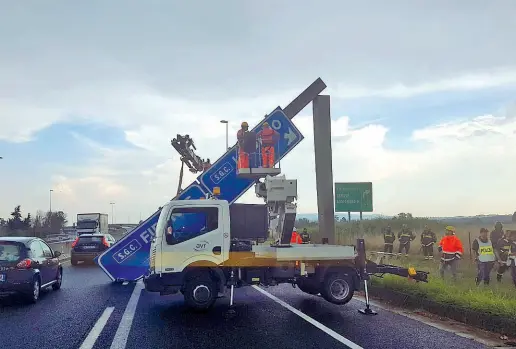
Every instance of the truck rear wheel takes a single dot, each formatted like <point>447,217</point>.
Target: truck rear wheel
<point>200,292</point>
<point>308,285</point>
<point>337,288</point>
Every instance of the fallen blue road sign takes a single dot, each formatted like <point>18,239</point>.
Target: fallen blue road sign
<point>128,259</point>
<point>223,173</point>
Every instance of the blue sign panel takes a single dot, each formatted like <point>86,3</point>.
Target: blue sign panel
<point>223,173</point>
<point>128,258</point>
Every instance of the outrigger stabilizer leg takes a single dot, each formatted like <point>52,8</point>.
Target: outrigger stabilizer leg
<point>362,264</point>
<point>231,311</point>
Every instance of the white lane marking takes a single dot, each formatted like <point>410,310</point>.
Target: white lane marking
<point>122,333</point>
<point>307,318</point>
<point>95,332</point>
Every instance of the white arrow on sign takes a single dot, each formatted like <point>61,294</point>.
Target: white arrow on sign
<point>290,136</point>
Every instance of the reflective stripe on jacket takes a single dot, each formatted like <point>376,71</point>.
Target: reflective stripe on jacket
<point>267,136</point>
<point>450,246</point>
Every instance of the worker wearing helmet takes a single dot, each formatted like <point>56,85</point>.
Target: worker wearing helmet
<point>502,252</point>
<point>388,239</point>
<point>268,138</point>
<point>305,237</point>
<point>485,257</point>
<point>428,239</point>
<point>243,157</point>
<point>497,233</point>
<point>405,236</point>
<point>295,239</point>
<point>451,251</point>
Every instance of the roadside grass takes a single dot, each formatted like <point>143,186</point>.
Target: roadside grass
<point>495,299</point>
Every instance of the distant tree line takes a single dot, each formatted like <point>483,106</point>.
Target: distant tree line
<point>41,224</point>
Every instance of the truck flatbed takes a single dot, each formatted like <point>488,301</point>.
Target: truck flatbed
<point>305,252</point>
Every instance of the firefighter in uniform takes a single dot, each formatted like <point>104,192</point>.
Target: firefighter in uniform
<point>512,255</point>
<point>484,256</point>
<point>305,237</point>
<point>388,239</point>
<point>405,236</point>
<point>428,239</point>
<point>451,251</point>
<point>502,250</point>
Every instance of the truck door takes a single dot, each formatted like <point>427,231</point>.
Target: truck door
<point>193,234</point>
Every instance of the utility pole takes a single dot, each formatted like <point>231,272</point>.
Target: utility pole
<point>50,197</point>
<point>227,139</point>
<point>112,214</point>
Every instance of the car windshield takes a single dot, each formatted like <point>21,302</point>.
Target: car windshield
<point>9,252</point>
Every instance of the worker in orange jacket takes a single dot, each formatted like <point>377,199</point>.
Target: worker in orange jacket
<point>296,238</point>
<point>243,157</point>
<point>269,137</point>
<point>451,251</point>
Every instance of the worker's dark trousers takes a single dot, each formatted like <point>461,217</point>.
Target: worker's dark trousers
<point>453,264</point>
<point>387,248</point>
<point>484,272</point>
<point>404,246</point>
<point>428,251</point>
<point>513,271</point>
<point>501,270</point>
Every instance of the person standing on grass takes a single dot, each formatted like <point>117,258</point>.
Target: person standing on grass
<point>512,255</point>
<point>451,251</point>
<point>428,239</point>
<point>405,236</point>
<point>484,256</point>
<point>388,239</point>
<point>502,251</point>
<point>497,233</point>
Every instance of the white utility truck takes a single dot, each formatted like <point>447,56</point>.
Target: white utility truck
<point>223,245</point>
<point>92,223</point>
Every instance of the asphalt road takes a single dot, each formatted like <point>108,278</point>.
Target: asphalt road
<point>91,312</point>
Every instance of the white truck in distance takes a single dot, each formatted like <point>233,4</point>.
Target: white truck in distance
<point>92,223</point>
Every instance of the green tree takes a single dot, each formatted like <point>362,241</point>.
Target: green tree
<point>15,222</point>
<point>53,222</point>
<point>514,217</point>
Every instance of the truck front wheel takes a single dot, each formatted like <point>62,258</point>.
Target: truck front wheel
<point>337,288</point>
<point>200,292</point>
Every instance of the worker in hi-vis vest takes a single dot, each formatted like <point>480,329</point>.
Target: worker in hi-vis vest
<point>268,138</point>
<point>451,250</point>
<point>485,256</point>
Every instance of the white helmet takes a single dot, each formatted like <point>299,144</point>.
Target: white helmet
<point>295,229</point>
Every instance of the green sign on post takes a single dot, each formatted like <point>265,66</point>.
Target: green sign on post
<point>354,197</point>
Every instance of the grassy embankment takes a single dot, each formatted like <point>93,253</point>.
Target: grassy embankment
<point>496,298</point>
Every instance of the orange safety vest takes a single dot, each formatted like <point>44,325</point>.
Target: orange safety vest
<point>296,238</point>
<point>267,136</point>
<point>240,136</point>
<point>450,245</point>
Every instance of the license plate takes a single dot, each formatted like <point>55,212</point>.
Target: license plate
<point>89,247</point>
<point>2,277</point>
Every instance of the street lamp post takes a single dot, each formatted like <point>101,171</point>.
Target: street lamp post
<point>112,214</point>
<point>226,122</point>
<point>50,197</point>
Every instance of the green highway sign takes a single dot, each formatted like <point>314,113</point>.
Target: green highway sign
<point>354,197</point>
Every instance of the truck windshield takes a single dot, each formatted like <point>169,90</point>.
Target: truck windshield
<point>86,225</point>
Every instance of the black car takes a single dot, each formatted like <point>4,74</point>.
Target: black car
<point>88,246</point>
<point>27,265</point>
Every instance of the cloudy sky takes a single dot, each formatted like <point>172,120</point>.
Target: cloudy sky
<point>423,98</point>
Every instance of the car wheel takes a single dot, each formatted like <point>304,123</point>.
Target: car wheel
<point>59,280</point>
<point>200,292</point>
<point>337,288</point>
<point>33,295</point>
